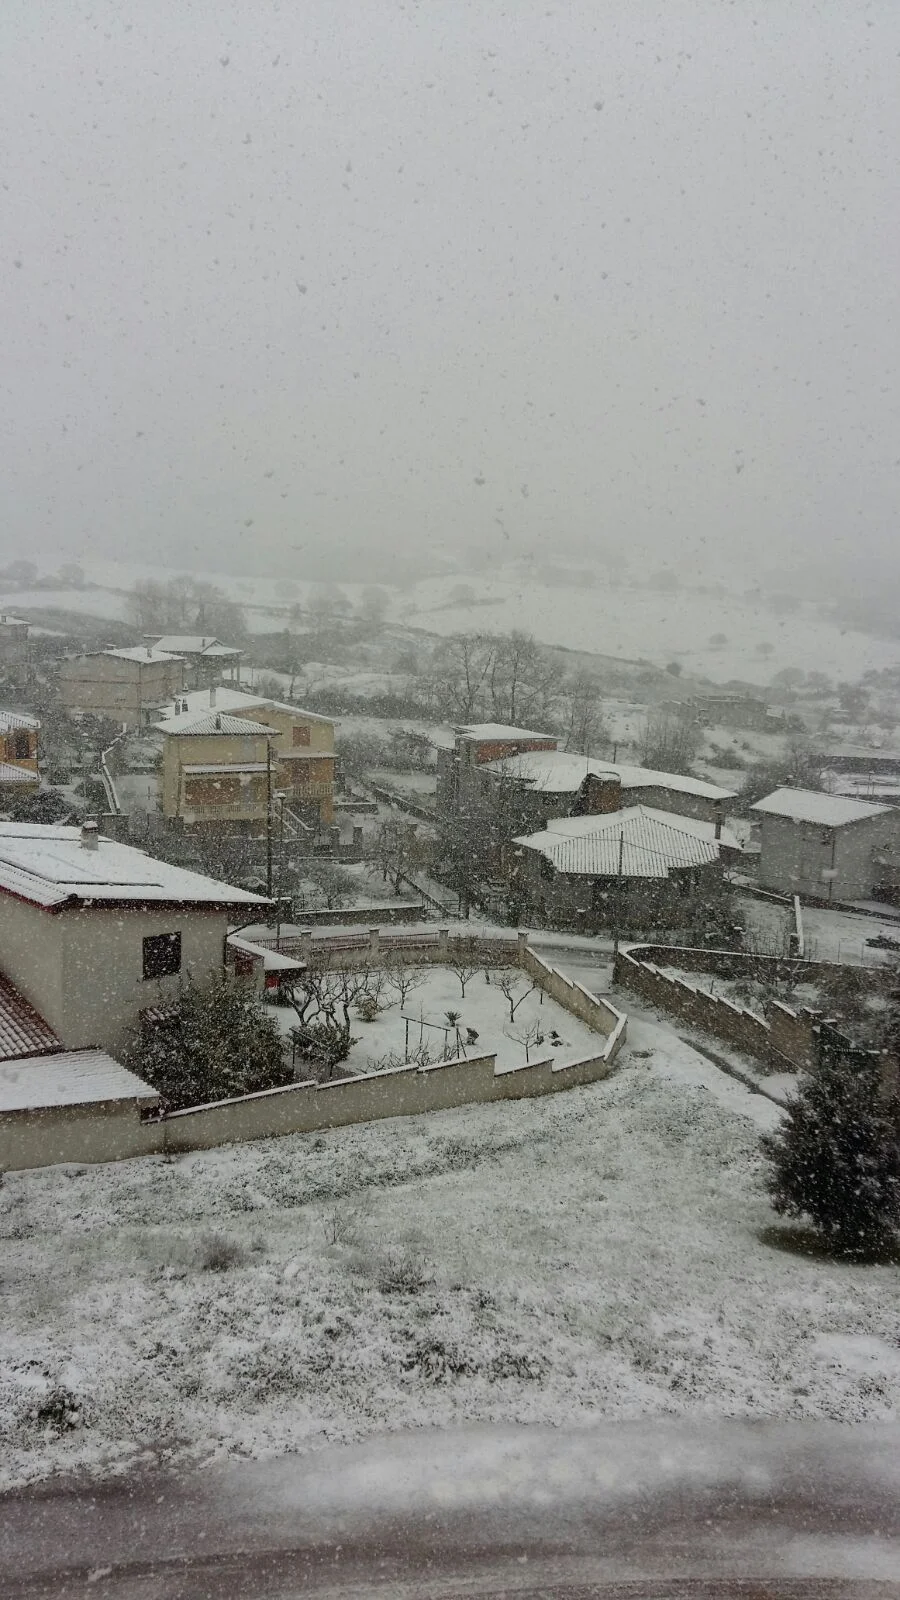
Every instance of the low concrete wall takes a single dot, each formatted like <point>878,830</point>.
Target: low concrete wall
<point>102,1131</point>
<point>593,1010</point>
<point>405,1092</point>
<point>782,1041</point>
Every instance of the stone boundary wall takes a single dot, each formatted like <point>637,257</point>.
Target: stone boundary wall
<point>782,1041</point>
<point>44,1139</point>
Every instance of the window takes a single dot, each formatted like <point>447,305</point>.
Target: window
<point>300,735</point>
<point>21,747</point>
<point>162,955</point>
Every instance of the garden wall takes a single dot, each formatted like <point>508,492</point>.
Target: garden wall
<point>305,1108</point>
<point>783,1041</point>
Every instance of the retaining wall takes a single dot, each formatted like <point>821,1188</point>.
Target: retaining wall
<point>782,1041</point>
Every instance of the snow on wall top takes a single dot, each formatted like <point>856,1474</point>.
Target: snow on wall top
<point>499,730</point>
<point>50,866</point>
<point>69,1078</point>
<point>561,772</point>
<point>826,810</point>
<point>637,842</point>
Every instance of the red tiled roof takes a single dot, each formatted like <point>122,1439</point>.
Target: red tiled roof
<point>23,1032</point>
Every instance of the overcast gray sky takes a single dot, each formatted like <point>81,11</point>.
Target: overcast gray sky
<point>449,273</point>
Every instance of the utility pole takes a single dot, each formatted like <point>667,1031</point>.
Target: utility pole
<point>269,818</point>
<point>618,893</point>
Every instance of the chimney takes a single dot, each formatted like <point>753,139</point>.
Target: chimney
<point>212,695</point>
<point>89,835</point>
<point>149,652</point>
<point>601,794</point>
<point>219,723</point>
<point>717,830</point>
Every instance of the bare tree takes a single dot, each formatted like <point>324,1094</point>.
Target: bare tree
<point>528,1035</point>
<point>403,978</point>
<point>463,961</point>
<point>583,727</point>
<point>322,1003</point>
<point>669,743</point>
<point>508,983</point>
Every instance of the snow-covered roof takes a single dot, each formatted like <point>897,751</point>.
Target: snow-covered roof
<point>579,827</point>
<point>561,772</point>
<point>239,700</point>
<point>205,722</point>
<point>488,731</point>
<point>12,774</point>
<point>272,960</point>
<point>6,621</point>
<point>49,865</point>
<point>825,810</point>
<point>14,721</point>
<point>196,644</point>
<point>23,1032</point>
<point>69,1078</point>
<point>143,654</point>
<point>637,842</point>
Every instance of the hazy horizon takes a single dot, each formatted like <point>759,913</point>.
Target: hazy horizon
<point>393,279</point>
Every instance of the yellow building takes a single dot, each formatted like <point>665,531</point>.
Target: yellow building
<point>215,768</point>
<point>198,734</point>
<point>18,752</point>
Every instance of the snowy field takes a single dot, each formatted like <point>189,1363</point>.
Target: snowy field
<point>598,1254</point>
<point>721,636</point>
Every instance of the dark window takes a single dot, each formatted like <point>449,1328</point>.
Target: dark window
<point>21,746</point>
<point>162,955</point>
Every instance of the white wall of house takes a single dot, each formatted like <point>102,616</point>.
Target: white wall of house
<point>83,969</point>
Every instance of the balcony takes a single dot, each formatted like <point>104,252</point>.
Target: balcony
<point>233,811</point>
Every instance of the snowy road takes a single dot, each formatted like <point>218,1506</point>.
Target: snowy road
<point>646,1508</point>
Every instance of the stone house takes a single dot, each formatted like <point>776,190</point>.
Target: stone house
<point>631,868</point>
<point>827,846</point>
<point>129,686</point>
<point>19,736</point>
<point>206,659</point>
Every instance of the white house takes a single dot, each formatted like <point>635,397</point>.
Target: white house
<point>95,934</point>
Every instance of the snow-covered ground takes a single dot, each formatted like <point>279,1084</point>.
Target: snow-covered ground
<point>598,1254</point>
<point>484,1008</point>
<point>687,626</point>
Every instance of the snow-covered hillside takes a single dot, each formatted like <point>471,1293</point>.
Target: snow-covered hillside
<point>720,636</point>
<point>497,1263</point>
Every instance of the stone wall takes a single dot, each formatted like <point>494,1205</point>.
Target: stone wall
<point>783,1041</point>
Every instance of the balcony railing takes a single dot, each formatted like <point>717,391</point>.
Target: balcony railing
<point>248,811</point>
<point>311,791</point>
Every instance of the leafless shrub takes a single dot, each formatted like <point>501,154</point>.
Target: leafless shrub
<point>217,1253</point>
<point>403,1272</point>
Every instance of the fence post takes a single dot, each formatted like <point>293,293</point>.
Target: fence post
<point>305,943</point>
<point>522,945</point>
<point>374,943</point>
<point>444,943</point>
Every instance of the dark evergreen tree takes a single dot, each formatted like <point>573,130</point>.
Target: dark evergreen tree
<point>219,1043</point>
<point>836,1157</point>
